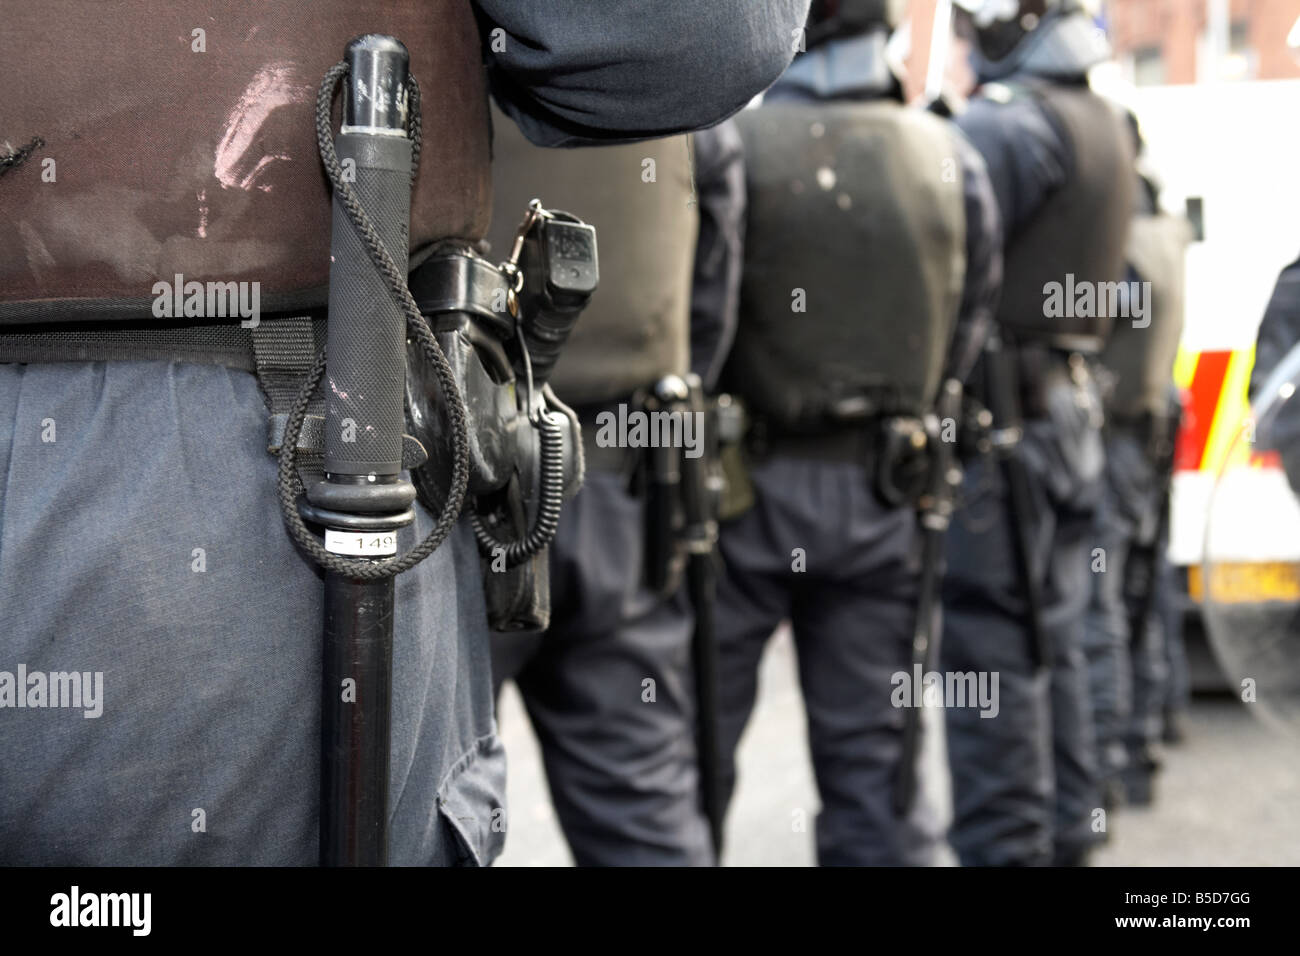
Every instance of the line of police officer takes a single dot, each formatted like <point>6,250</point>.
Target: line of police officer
<point>885,253</point>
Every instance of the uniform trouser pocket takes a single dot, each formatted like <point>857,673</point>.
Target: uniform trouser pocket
<point>471,803</point>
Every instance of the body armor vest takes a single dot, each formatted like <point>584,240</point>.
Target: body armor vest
<point>636,328</point>
<point>855,257</point>
<point>184,143</point>
<point>1142,357</point>
<point>1078,235</point>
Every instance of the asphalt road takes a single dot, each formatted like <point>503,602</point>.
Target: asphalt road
<point>1230,795</point>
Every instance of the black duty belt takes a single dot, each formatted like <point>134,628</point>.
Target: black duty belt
<point>226,343</point>
<point>855,444</point>
<point>280,350</point>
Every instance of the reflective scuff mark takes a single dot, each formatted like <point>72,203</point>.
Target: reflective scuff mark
<point>203,213</point>
<point>270,88</point>
<point>11,157</point>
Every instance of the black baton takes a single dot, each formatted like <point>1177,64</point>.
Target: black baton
<point>364,498</point>
<point>700,535</point>
<point>1008,430</point>
<point>934,514</point>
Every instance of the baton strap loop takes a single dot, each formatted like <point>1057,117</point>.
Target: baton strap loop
<point>290,484</point>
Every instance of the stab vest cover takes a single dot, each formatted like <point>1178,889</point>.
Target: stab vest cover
<point>180,152</point>
<point>855,257</point>
<point>636,329</point>
<point>1143,358</point>
<point>1081,228</point>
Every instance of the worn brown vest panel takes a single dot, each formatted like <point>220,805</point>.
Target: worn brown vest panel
<point>1080,229</point>
<point>855,257</point>
<point>637,327</point>
<point>1142,359</point>
<point>168,160</point>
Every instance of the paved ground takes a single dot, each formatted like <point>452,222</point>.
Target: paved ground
<point>1230,795</point>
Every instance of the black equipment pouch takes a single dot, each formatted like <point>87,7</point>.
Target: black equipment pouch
<point>735,490</point>
<point>502,329</point>
<point>682,482</point>
<point>904,459</point>
<point>1071,402</point>
<point>702,480</point>
<point>974,429</point>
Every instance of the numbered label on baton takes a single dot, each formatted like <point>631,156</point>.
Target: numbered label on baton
<point>373,544</point>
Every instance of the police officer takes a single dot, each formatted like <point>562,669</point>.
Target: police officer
<point>1017,585</point>
<point>1124,635</point>
<point>1279,330</point>
<point>608,687</point>
<point>1279,333</point>
<point>871,255</point>
<point>141,535</point>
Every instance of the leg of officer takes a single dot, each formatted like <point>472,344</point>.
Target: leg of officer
<point>1065,602</point>
<point>1152,677</point>
<point>1150,683</point>
<point>853,617</point>
<point>1002,772</point>
<point>1178,690</point>
<point>257,789</point>
<point>753,598</point>
<point>1106,630</point>
<point>610,696</point>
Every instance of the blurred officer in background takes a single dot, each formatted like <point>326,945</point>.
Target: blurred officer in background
<point>145,540</point>
<point>608,687</point>
<point>1279,333</point>
<point>1279,330</point>
<point>871,260</point>
<point>1061,163</point>
<point>1125,635</point>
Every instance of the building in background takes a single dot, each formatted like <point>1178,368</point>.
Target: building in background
<point>1163,42</point>
<point>1174,42</point>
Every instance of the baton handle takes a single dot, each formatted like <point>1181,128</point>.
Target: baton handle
<point>366,358</point>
